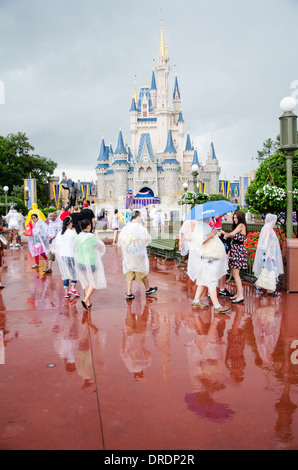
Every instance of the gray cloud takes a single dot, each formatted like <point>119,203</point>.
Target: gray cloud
<point>68,68</point>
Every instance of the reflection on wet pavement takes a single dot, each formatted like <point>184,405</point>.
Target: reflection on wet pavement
<point>152,373</point>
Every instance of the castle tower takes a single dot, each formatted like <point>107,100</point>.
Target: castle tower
<point>163,111</point>
<point>120,167</point>
<point>171,168</point>
<point>212,171</point>
<point>101,168</point>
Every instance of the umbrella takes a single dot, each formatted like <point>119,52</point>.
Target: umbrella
<point>210,209</point>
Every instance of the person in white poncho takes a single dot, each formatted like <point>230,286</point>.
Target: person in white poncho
<point>89,266</point>
<point>38,241</point>
<point>63,248</point>
<point>133,241</point>
<point>207,261</point>
<point>14,220</point>
<point>268,255</point>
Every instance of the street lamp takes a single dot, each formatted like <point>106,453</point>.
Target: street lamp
<point>288,145</point>
<point>5,189</point>
<point>195,172</point>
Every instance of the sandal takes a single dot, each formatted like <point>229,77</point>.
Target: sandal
<point>1,285</point>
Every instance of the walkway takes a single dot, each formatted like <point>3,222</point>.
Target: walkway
<point>148,374</point>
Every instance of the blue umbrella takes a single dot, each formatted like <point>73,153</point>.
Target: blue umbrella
<point>210,209</point>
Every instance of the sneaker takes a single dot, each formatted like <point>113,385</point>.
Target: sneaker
<point>74,292</point>
<point>48,271</point>
<point>35,266</point>
<point>199,305</point>
<point>66,295</point>
<point>225,293</point>
<point>151,290</point>
<point>274,293</point>
<point>130,297</point>
<point>258,289</point>
<point>222,309</point>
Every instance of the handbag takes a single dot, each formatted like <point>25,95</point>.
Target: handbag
<point>214,248</point>
<point>28,232</point>
<point>37,249</point>
<point>267,280</point>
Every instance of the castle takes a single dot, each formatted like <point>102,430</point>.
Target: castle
<point>153,166</point>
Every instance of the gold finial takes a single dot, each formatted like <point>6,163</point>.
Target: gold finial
<point>103,131</point>
<point>162,48</point>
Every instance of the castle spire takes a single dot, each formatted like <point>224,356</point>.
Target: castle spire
<point>162,48</point>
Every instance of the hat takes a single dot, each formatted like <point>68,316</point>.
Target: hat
<point>86,204</point>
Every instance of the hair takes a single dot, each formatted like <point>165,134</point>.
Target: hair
<point>34,215</point>
<point>84,224</point>
<point>75,208</point>
<point>135,214</point>
<point>65,224</point>
<point>115,211</point>
<point>241,219</point>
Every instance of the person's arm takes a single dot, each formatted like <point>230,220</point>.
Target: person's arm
<point>232,234</point>
<point>210,235</point>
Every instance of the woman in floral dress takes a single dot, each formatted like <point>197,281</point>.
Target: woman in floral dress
<point>238,253</point>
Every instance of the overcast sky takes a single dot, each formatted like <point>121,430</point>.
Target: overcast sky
<point>68,71</point>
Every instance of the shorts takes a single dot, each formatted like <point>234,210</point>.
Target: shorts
<point>51,256</point>
<point>133,275</point>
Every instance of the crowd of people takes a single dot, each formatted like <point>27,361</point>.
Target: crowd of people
<point>69,239</point>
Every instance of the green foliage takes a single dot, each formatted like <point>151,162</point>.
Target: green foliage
<point>269,147</point>
<point>17,202</point>
<point>272,172</point>
<point>193,198</point>
<point>18,162</point>
<point>218,197</point>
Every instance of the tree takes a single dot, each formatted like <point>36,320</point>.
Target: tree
<point>17,162</point>
<point>267,192</point>
<point>270,147</point>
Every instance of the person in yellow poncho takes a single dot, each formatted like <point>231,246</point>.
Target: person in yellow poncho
<point>36,211</point>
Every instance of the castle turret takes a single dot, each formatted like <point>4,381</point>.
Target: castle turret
<point>171,168</point>
<point>120,167</point>
<point>101,168</point>
<point>153,91</point>
<point>212,171</point>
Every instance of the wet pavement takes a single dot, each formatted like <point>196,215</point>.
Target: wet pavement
<point>150,374</point>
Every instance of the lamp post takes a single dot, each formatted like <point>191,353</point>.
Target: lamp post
<point>185,187</point>
<point>195,172</point>
<point>288,145</point>
<point>5,189</point>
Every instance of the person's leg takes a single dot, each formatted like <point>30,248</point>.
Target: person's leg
<point>197,300</point>
<point>239,293</point>
<point>66,287</point>
<point>129,276</point>
<point>73,289</point>
<point>88,292</point>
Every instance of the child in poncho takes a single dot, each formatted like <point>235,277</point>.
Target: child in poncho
<point>133,241</point>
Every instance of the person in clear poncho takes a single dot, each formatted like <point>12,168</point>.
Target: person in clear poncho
<point>38,242</point>
<point>268,254</point>
<point>63,247</point>
<point>89,266</point>
<point>206,265</point>
<point>133,241</point>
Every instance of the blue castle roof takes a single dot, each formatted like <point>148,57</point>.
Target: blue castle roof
<point>170,144</point>
<point>153,82</point>
<point>213,151</point>
<point>195,160</point>
<point>120,145</point>
<point>133,105</point>
<point>180,119</point>
<point>188,146</point>
<point>176,93</point>
<point>104,151</point>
